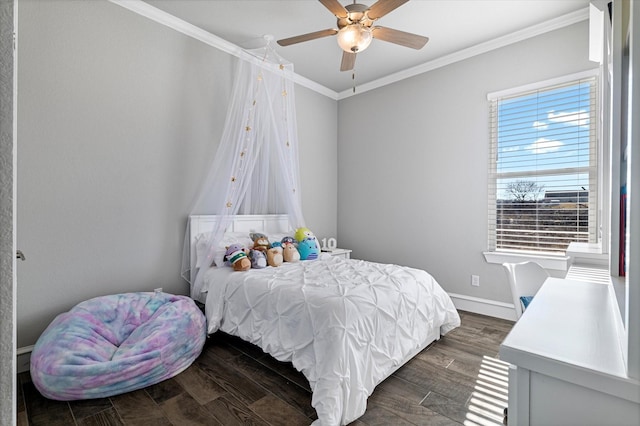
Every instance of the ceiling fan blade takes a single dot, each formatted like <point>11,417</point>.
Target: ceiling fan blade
<point>382,7</point>
<point>402,38</point>
<point>306,37</point>
<point>336,8</point>
<point>348,61</point>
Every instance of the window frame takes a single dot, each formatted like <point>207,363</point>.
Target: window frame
<point>550,260</point>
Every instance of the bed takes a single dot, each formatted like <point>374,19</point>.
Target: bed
<point>345,324</point>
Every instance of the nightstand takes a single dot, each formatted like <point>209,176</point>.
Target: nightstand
<point>344,253</point>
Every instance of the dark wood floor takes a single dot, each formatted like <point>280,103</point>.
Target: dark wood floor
<point>454,381</point>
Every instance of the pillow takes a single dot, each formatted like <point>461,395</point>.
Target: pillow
<point>201,249</point>
<point>228,238</point>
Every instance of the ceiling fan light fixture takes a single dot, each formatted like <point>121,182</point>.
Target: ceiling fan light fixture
<point>354,37</point>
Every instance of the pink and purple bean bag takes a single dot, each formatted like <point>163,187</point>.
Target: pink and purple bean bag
<point>115,344</point>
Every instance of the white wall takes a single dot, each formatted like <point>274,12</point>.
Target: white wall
<point>412,161</point>
<point>118,119</point>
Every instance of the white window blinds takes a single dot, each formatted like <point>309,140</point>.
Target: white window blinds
<point>543,168</point>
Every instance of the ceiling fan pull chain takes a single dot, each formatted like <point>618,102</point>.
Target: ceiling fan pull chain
<point>353,78</point>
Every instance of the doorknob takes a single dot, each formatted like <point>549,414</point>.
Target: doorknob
<point>20,255</point>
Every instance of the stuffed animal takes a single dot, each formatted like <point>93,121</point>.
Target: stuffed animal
<point>260,241</point>
<point>289,251</point>
<point>308,249</point>
<point>258,259</point>
<point>274,256</point>
<point>307,244</point>
<point>287,240</point>
<point>237,257</point>
<point>304,233</point>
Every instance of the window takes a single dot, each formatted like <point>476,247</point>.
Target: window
<point>543,167</point>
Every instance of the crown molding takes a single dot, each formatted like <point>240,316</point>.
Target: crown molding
<point>144,9</point>
<point>153,13</point>
<point>526,33</point>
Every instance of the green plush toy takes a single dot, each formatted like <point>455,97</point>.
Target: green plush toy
<point>303,233</point>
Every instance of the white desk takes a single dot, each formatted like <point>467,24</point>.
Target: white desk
<point>567,361</point>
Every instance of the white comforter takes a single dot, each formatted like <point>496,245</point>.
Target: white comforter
<point>345,324</point>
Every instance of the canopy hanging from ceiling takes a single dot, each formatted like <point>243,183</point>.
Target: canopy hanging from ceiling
<point>256,169</point>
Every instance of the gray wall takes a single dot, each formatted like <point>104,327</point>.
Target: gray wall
<point>413,183</point>
<point>317,134</point>
<point>118,119</point>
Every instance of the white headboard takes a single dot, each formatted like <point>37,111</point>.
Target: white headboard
<point>267,223</point>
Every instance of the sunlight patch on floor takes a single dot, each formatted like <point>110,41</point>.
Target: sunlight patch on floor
<point>490,395</point>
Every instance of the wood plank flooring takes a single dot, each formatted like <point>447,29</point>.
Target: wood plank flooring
<point>454,381</point>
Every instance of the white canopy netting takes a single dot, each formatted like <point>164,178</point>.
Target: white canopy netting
<point>255,170</point>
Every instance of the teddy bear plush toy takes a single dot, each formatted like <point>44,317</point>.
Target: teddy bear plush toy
<point>307,244</point>
<point>260,241</point>
<point>289,251</point>
<point>237,257</point>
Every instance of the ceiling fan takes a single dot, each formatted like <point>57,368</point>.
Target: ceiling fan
<point>356,30</point>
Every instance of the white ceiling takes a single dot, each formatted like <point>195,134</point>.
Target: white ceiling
<point>455,28</point>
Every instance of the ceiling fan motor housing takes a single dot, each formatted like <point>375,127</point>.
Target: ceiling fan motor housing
<point>357,15</point>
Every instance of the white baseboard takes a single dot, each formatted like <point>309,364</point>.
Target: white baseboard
<point>23,356</point>
<point>484,306</point>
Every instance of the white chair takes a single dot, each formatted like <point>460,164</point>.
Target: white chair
<point>525,279</point>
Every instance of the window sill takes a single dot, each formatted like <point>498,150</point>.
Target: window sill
<point>558,263</point>
<point>588,254</point>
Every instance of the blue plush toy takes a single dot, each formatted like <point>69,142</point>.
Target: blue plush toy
<point>307,244</point>
<point>308,249</point>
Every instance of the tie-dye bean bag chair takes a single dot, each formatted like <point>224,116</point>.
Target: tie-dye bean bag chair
<point>116,344</point>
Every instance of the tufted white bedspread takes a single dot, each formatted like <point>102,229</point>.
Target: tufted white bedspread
<point>345,324</point>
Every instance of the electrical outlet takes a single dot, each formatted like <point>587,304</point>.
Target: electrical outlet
<point>475,280</point>
<point>157,290</point>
